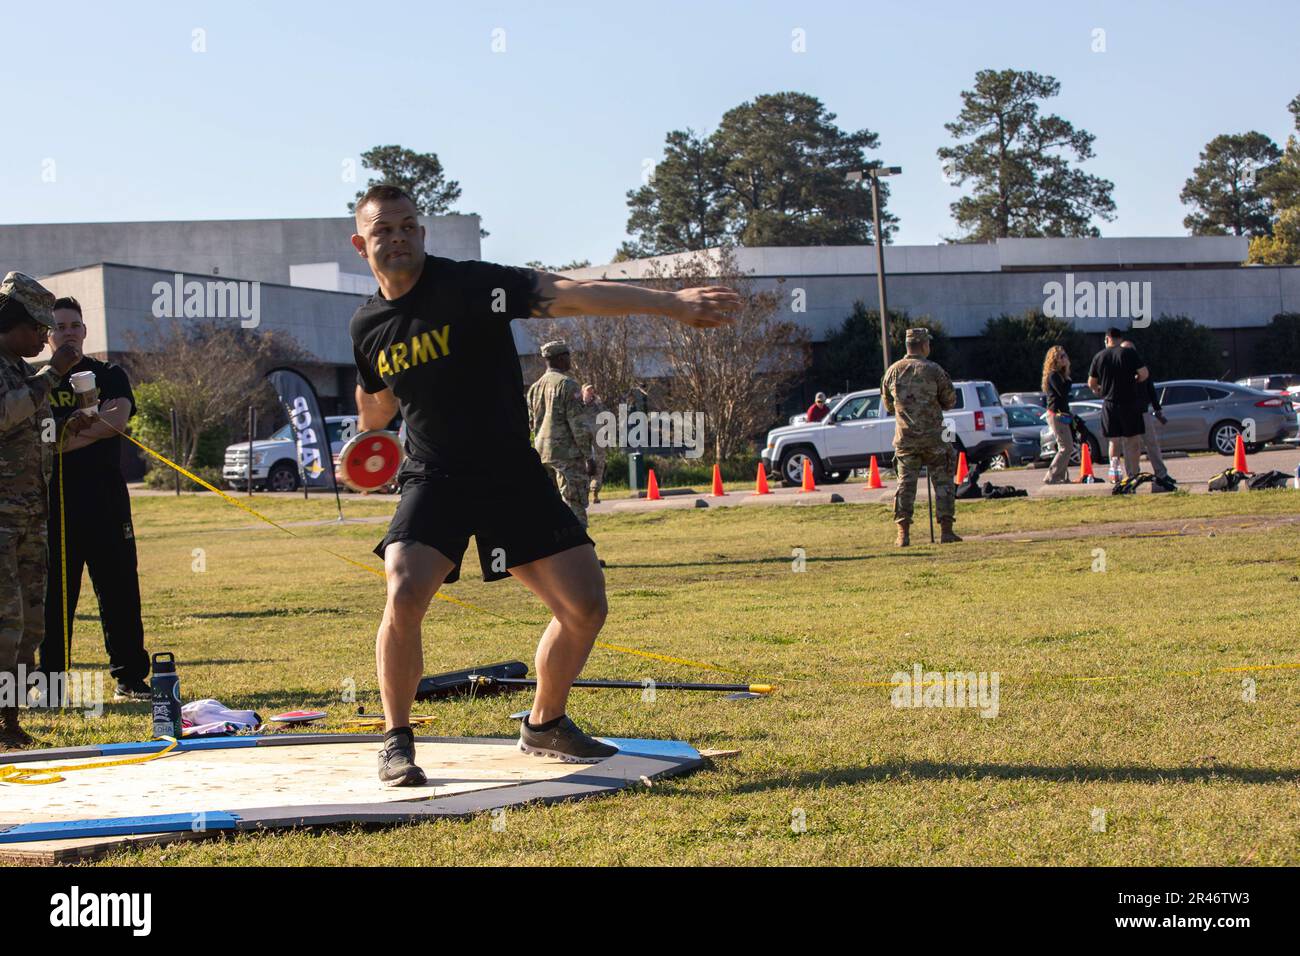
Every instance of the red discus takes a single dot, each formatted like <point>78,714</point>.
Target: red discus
<point>299,716</point>
<point>370,461</point>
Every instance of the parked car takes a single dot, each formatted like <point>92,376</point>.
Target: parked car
<point>275,459</point>
<point>855,430</point>
<point>1090,414</point>
<point>1271,382</point>
<point>1026,424</point>
<point>1294,392</point>
<point>1080,392</point>
<point>1205,415</point>
<point>1024,398</point>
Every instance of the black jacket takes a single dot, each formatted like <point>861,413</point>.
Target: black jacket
<point>1058,394</point>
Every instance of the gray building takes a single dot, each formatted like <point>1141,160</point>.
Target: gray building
<point>1093,282</point>
<point>261,250</point>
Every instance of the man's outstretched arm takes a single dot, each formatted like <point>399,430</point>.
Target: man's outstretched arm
<point>703,307</point>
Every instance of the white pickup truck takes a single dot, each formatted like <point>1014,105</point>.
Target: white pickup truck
<point>275,465</point>
<point>856,429</point>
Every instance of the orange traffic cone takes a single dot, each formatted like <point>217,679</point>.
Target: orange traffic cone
<point>808,483</point>
<point>1085,463</point>
<point>760,484</point>
<point>962,469</point>
<point>1239,459</point>
<point>717,482</point>
<point>652,488</point>
<point>873,479</point>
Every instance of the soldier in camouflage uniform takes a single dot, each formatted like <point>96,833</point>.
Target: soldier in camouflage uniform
<point>27,441</point>
<point>917,392</point>
<point>562,428</point>
<point>594,409</point>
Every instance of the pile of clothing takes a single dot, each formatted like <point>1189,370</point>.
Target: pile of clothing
<point>212,718</point>
<point>970,487</point>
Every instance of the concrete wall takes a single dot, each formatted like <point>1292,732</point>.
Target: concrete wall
<point>87,287</point>
<point>316,319</point>
<point>260,249</point>
<point>118,306</point>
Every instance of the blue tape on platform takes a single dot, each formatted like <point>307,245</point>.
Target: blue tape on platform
<point>654,748</point>
<point>199,743</point>
<point>119,826</point>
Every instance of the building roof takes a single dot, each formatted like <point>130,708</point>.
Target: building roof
<point>1002,255</point>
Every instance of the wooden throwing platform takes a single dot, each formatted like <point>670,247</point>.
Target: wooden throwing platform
<point>211,786</point>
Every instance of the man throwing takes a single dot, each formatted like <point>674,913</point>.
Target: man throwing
<point>436,331</point>
<point>917,392</point>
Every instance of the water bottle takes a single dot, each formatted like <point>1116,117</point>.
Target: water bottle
<point>166,686</point>
<point>1114,469</point>
<point>1297,476</point>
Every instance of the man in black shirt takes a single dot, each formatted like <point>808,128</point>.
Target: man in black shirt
<point>99,536</point>
<point>1149,406</point>
<point>1115,375</point>
<point>437,331</point>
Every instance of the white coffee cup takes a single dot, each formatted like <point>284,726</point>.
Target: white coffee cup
<point>83,384</point>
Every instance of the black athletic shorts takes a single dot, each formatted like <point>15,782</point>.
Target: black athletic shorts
<point>516,515</point>
<point>1121,421</point>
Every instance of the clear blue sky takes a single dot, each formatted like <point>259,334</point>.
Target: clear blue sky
<point>547,137</point>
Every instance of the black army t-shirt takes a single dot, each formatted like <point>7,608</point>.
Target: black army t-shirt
<point>1116,369</point>
<point>100,462</point>
<point>446,351</point>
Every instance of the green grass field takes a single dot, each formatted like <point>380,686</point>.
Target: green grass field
<point>1163,741</point>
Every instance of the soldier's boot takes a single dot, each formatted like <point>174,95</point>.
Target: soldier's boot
<point>948,536</point>
<point>11,735</point>
<point>904,534</point>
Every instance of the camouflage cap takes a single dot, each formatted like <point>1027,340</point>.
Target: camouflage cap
<point>31,295</point>
<point>552,349</point>
<point>917,336</point>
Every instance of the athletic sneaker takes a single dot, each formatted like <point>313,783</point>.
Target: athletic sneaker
<point>397,761</point>
<point>565,741</point>
<point>132,690</point>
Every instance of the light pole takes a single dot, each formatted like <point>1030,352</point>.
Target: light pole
<point>874,173</point>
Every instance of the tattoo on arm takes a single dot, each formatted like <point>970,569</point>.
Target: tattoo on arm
<point>543,295</point>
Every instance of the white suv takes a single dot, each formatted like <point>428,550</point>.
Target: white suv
<point>856,429</point>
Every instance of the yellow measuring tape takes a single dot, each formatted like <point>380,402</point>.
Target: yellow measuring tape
<point>686,662</point>
<point>36,776</point>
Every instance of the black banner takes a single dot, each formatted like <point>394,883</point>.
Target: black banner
<point>315,457</point>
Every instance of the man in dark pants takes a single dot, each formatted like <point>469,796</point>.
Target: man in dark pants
<point>1149,403</point>
<point>1117,374</point>
<point>99,534</point>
